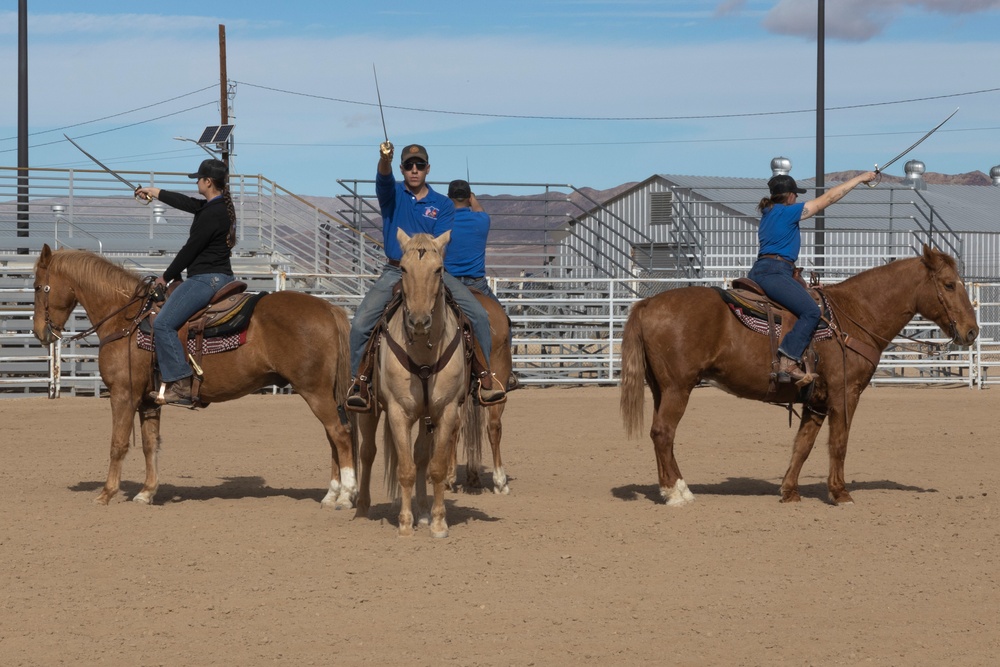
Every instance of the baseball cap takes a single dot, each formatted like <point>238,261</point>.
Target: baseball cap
<point>784,183</point>
<point>211,168</point>
<point>413,152</point>
<point>459,189</point>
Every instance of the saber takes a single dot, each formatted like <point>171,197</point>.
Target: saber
<point>381,113</point>
<point>879,170</point>
<point>144,200</point>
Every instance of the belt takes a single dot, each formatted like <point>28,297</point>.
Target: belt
<point>392,262</point>
<point>470,277</point>
<point>778,257</point>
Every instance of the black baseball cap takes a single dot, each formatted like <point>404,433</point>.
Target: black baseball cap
<point>211,168</point>
<point>783,183</point>
<point>414,152</point>
<point>459,189</point>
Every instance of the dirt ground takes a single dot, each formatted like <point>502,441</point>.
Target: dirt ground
<point>237,564</point>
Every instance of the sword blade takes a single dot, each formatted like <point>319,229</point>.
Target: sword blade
<point>101,164</point>
<point>915,144</point>
<point>381,113</point>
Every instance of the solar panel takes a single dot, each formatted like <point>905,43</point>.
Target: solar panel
<point>216,134</point>
<point>222,135</point>
<point>206,136</point>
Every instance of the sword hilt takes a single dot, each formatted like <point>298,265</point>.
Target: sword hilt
<point>878,178</point>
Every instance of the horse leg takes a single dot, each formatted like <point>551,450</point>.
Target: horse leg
<point>805,438</point>
<point>495,430</point>
<point>123,406</point>
<point>421,455</point>
<point>367,425</point>
<point>343,490</point>
<point>444,442</point>
<point>839,430</point>
<point>149,426</point>
<point>406,471</point>
<point>670,407</point>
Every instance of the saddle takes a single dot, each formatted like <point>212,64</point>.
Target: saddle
<point>218,327</point>
<point>756,311</point>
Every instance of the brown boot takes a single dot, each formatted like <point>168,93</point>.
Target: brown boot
<point>790,371</point>
<point>490,391</point>
<point>177,392</point>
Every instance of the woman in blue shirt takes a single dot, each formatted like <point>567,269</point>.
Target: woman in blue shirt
<point>780,241</point>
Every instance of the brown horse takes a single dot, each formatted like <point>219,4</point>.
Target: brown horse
<point>293,338</point>
<point>422,378</point>
<point>473,424</point>
<point>677,338</point>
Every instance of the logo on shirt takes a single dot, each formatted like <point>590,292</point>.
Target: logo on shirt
<point>431,212</point>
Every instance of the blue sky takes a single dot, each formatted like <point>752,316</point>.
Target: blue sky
<point>588,93</point>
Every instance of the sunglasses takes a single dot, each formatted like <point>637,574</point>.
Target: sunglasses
<point>410,164</point>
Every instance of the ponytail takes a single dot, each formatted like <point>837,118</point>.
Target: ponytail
<point>769,202</point>
<point>227,197</point>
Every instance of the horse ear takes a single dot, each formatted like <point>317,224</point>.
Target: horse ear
<point>402,236</point>
<point>932,258</point>
<point>442,240</point>
<point>45,256</point>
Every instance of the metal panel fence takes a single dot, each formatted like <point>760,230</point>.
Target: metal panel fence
<point>565,332</point>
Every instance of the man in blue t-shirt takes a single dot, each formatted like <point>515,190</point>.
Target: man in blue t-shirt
<point>466,256</point>
<point>414,207</point>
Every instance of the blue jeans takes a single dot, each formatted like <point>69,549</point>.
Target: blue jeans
<point>479,284</point>
<point>187,299</point>
<point>777,280</point>
<point>370,310</point>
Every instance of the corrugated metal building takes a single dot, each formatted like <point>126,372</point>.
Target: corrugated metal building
<point>701,226</point>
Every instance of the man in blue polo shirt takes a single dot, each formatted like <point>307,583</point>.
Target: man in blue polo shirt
<point>416,208</point>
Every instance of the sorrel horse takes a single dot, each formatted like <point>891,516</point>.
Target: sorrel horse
<point>677,338</point>
<point>293,338</point>
<point>476,418</point>
<point>422,379</point>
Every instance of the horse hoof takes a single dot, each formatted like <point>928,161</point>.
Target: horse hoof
<point>502,491</point>
<point>439,534</point>
<point>142,498</point>
<point>101,500</point>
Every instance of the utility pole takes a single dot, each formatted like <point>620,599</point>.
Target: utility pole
<point>22,123</point>
<point>820,131</point>
<point>223,87</point>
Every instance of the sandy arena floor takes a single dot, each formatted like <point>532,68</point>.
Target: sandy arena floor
<point>581,564</point>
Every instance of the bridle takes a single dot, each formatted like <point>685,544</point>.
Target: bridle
<point>142,295</point>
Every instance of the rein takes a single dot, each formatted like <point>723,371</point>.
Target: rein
<point>140,295</point>
<point>423,371</point>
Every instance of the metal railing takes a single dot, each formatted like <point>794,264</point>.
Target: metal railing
<point>564,333</point>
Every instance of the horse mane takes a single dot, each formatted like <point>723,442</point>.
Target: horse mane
<point>935,260</point>
<point>105,278</point>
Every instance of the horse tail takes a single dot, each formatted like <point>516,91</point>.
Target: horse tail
<point>342,374</point>
<point>472,434</point>
<point>391,460</point>
<point>632,401</point>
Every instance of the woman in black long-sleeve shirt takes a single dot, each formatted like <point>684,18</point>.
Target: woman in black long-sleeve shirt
<point>206,257</point>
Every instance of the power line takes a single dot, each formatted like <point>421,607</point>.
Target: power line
<point>121,127</point>
<point>123,113</point>
<point>642,142</point>
<point>619,118</point>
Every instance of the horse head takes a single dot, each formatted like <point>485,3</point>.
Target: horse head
<point>422,266</point>
<point>54,300</point>
<point>946,302</point>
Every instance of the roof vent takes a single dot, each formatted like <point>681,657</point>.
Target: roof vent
<point>780,166</point>
<point>914,178</point>
<point>995,174</point>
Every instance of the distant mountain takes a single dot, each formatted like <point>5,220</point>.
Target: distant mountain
<point>930,177</point>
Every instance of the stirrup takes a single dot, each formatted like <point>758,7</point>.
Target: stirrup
<point>359,396</point>
<point>499,396</point>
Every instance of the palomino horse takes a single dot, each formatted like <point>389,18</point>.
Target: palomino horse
<point>293,338</point>
<point>473,425</point>
<point>422,378</point>
<point>679,337</point>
